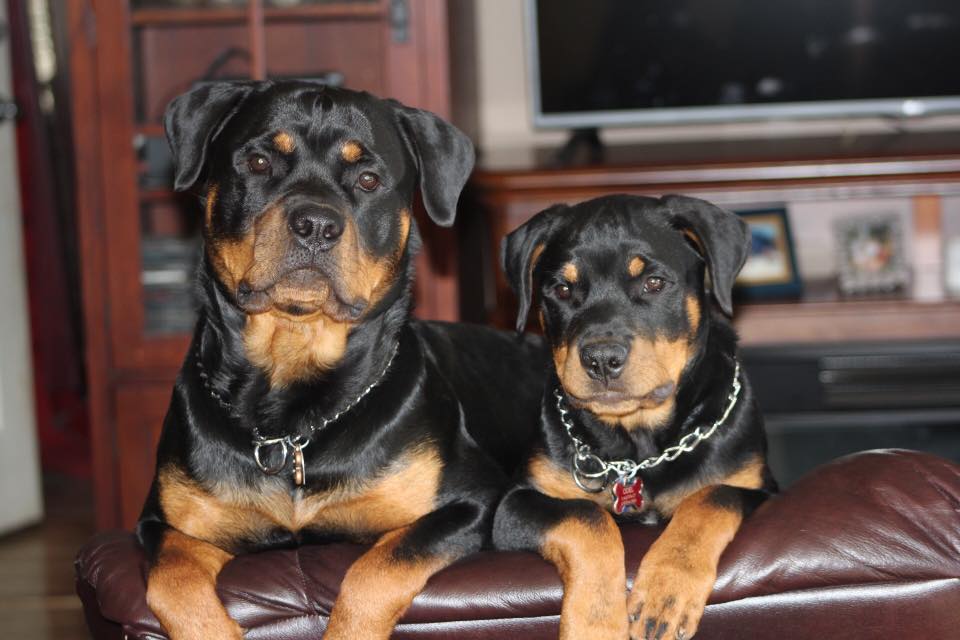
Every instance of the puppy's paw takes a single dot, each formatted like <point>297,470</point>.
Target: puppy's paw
<point>667,601</point>
<point>595,614</point>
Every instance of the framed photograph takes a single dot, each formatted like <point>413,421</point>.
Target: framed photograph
<point>771,269</point>
<point>870,255</point>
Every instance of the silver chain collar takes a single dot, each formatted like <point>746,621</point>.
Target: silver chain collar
<point>627,469</point>
<point>296,443</point>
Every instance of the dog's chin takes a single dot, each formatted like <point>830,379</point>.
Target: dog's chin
<point>303,295</point>
<point>612,404</point>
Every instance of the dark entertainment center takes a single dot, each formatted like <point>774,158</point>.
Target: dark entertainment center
<point>833,374</point>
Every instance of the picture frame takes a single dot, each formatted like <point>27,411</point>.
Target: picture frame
<point>771,268</point>
<point>871,256</point>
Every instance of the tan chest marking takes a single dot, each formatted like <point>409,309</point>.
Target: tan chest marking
<point>292,349</point>
<point>556,482</point>
<point>406,491</point>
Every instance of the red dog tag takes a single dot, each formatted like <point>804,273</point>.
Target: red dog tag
<point>627,495</point>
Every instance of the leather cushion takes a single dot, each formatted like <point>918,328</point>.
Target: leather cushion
<point>863,533</point>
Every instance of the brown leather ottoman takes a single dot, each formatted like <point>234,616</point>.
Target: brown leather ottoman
<point>865,547</point>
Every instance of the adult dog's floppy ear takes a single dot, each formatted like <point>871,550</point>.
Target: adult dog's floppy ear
<point>194,119</point>
<point>519,253</point>
<point>444,157</point>
<point>722,237</point>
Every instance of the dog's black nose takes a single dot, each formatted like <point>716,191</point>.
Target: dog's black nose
<point>314,226</point>
<point>603,360</point>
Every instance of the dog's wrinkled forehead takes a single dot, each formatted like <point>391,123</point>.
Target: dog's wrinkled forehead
<point>308,120</point>
<point>602,238</point>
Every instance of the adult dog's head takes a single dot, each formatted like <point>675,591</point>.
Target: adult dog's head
<point>308,196</point>
<point>620,283</point>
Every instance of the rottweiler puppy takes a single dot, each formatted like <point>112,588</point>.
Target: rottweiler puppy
<point>646,415</point>
<point>310,407</point>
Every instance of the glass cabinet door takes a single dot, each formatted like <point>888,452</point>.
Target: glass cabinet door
<point>150,52</point>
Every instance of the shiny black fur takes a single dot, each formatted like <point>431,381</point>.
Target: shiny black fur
<point>448,384</point>
<point>601,235</point>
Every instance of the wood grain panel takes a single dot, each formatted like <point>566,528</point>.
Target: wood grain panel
<point>140,410</point>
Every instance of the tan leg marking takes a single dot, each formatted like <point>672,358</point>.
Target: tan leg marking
<point>589,558</point>
<point>378,589</point>
<point>181,590</point>
<point>750,476</point>
<point>678,573</point>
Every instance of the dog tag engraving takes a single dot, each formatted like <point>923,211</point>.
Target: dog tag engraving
<point>627,495</point>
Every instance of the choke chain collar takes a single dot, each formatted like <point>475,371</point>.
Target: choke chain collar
<point>627,470</point>
<point>292,443</point>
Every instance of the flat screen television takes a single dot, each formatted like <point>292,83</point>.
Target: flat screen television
<point>629,62</point>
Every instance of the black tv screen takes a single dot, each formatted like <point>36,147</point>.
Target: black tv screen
<point>596,62</point>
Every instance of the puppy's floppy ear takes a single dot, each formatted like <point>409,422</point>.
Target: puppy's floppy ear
<point>194,119</point>
<point>519,253</point>
<point>723,238</point>
<point>444,157</point>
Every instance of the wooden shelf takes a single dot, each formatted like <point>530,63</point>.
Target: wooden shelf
<point>846,321</point>
<point>152,130</point>
<point>157,194</point>
<point>166,17</point>
<point>510,186</point>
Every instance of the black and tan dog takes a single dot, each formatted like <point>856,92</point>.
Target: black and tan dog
<point>310,407</point>
<point>647,414</point>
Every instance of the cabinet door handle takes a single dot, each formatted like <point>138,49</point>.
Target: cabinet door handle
<point>400,20</point>
<point>8,109</point>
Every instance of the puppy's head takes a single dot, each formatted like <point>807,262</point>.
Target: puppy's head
<point>309,190</point>
<point>620,284</point>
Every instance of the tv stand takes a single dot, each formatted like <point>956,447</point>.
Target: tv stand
<point>583,147</point>
<point>511,185</point>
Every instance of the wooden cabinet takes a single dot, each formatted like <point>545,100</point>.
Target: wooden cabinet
<point>921,169</point>
<point>139,239</point>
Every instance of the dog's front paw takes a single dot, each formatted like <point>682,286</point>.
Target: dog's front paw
<point>668,600</point>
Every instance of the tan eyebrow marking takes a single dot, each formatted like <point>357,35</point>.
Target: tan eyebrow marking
<point>570,273</point>
<point>351,151</point>
<point>283,142</point>
<point>635,266</point>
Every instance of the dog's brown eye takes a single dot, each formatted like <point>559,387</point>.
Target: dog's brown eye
<point>368,181</point>
<point>258,163</point>
<point>562,291</point>
<point>653,284</point>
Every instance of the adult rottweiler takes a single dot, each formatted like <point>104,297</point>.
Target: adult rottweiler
<point>309,406</point>
<point>647,414</point>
